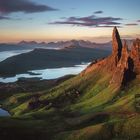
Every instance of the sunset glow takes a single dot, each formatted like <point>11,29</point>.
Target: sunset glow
<point>69,20</point>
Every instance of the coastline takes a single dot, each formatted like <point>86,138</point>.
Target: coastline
<point>3,108</point>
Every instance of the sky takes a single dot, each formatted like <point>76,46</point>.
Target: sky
<point>55,20</point>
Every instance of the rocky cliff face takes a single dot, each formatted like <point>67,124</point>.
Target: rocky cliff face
<point>122,64</point>
<point>135,55</point>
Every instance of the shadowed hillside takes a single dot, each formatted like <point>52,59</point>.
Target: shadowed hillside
<point>102,102</point>
<point>45,58</point>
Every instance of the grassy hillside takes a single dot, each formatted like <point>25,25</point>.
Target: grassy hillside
<point>81,108</point>
<point>101,103</point>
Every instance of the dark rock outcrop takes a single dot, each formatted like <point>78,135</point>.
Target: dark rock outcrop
<point>33,103</point>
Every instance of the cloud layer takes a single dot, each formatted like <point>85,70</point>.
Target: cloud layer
<point>131,24</point>
<point>3,17</point>
<point>91,21</point>
<point>98,12</point>
<point>26,6</point>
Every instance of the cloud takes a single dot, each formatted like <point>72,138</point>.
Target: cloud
<point>131,24</point>
<point>138,20</point>
<point>90,21</point>
<point>26,6</point>
<point>3,18</point>
<point>98,12</point>
<point>73,8</point>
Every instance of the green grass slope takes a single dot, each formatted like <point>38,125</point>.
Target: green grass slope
<point>81,108</point>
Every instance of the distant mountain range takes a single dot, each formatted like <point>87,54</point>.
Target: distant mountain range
<point>80,43</point>
<point>24,45</point>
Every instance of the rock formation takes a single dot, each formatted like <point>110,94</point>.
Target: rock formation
<point>124,70</point>
<point>135,55</point>
<point>122,64</point>
<point>117,46</point>
<point>127,62</point>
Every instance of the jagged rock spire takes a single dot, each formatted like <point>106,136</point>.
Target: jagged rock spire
<point>123,73</point>
<point>117,45</point>
<point>118,77</point>
<point>123,65</point>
